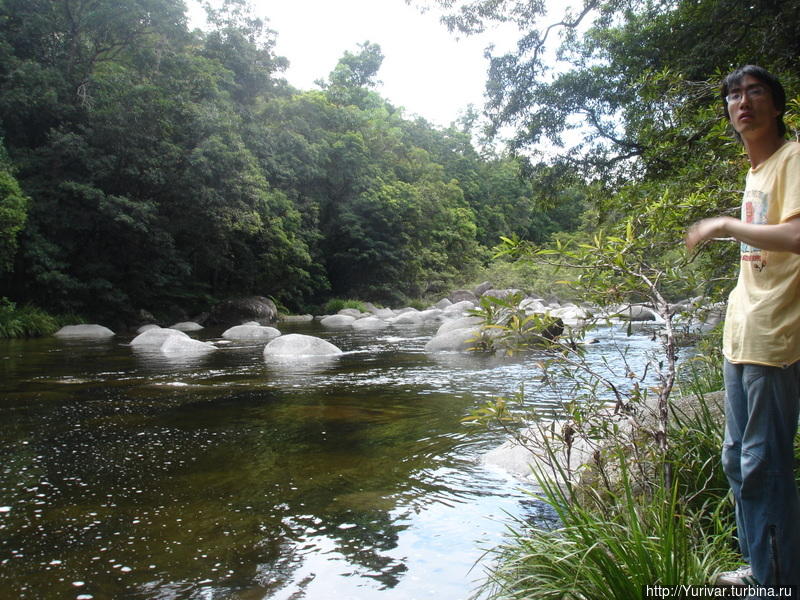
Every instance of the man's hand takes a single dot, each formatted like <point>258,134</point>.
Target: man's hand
<point>707,229</point>
<point>782,237</point>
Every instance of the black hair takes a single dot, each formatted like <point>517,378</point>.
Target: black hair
<point>765,77</point>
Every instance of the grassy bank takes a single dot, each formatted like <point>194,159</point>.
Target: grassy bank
<point>612,539</point>
<point>26,321</point>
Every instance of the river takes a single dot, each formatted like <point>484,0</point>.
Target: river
<point>127,475</point>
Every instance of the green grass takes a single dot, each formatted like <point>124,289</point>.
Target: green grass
<point>612,551</point>
<point>609,543</point>
<point>334,305</point>
<point>25,321</point>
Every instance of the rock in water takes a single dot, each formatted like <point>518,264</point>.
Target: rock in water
<point>185,346</point>
<point>337,321</point>
<point>251,332</point>
<point>456,340</point>
<point>238,310</point>
<point>186,326</point>
<point>370,323</point>
<point>152,339</point>
<point>296,345</point>
<point>84,331</point>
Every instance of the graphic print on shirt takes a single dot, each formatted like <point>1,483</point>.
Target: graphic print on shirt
<point>754,210</point>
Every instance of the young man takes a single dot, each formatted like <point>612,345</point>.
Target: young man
<point>761,340</point>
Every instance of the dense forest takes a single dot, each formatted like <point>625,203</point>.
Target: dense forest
<point>146,166</point>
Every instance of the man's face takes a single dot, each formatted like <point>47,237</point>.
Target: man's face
<point>751,107</point>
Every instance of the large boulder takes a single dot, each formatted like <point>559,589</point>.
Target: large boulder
<point>152,339</point>
<point>337,321</point>
<point>84,331</point>
<point>297,318</point>
<point>459,308</point>
<point>238,310</point>
<point>251,332</point>
<point>483,287</point>
<point>296,345</point>
<point>456,340</point>
<point>370,323</point>
<point>176,346</point>
<point>443,303</point>
<point>635,312</point>
<point>533,306</point>
<point>461,295</point>
<point>459,323</point>
<point>411,317</point>
<point>431,315</point>
<point>504,293</point>
<point>186,326</point>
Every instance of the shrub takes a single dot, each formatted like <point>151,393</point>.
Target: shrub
<point>334,305</point>
<point>27,321</point>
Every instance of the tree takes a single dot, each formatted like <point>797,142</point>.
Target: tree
<point>13,212</point>
<point>609,53</point>
<point>350,81</point>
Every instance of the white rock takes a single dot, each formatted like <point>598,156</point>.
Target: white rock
<point>186,326</point>
<point>370,323</point>
<point>443,303</point>
<point>351,312</point>
<point>84,331</point>
<point>432,314</point>
<point>408,318</point>
<point>337,321</point>
<point>459,323</point>
<point>251,333</point>
<point>297,318</point>
<point>298,345</point>
<point>533,306</point>
<point>153,338</point>
<point>147,327</point>
<point>457,340</point>
<point>182,346</point>
<point>459,308</point>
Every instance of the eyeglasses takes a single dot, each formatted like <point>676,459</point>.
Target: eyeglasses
<point>753,93</point>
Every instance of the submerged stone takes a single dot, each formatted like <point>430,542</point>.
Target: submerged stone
<point>84,331</point>
<point>297,345</point>
<point>251,332</point>
<point>183,346</point>
<point>153,338</point>
<point>187,326</point>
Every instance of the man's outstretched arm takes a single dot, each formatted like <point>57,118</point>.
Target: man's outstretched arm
<point>783,237</point>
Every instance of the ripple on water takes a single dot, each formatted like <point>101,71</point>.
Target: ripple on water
<point>231,477</point>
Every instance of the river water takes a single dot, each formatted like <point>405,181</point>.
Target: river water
<point>127,475</point>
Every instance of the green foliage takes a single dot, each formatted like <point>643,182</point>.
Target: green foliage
<point>621,528</point>
<point>334,305</point>
<point>13,213</point>
<point>611,550</point>
<point>165,169</point>
<point>507,328</point>
<point>26,321</point>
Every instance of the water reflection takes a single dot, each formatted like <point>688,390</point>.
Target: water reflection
<point>300,367</point>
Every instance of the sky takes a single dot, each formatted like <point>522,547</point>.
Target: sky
<point>426,69</point>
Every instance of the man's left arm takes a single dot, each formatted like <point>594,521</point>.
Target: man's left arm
<point>781,237</point>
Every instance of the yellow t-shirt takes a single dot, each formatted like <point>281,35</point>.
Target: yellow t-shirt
<point>762,325</point>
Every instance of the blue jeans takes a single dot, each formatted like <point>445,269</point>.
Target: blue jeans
<point>761,410</point>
